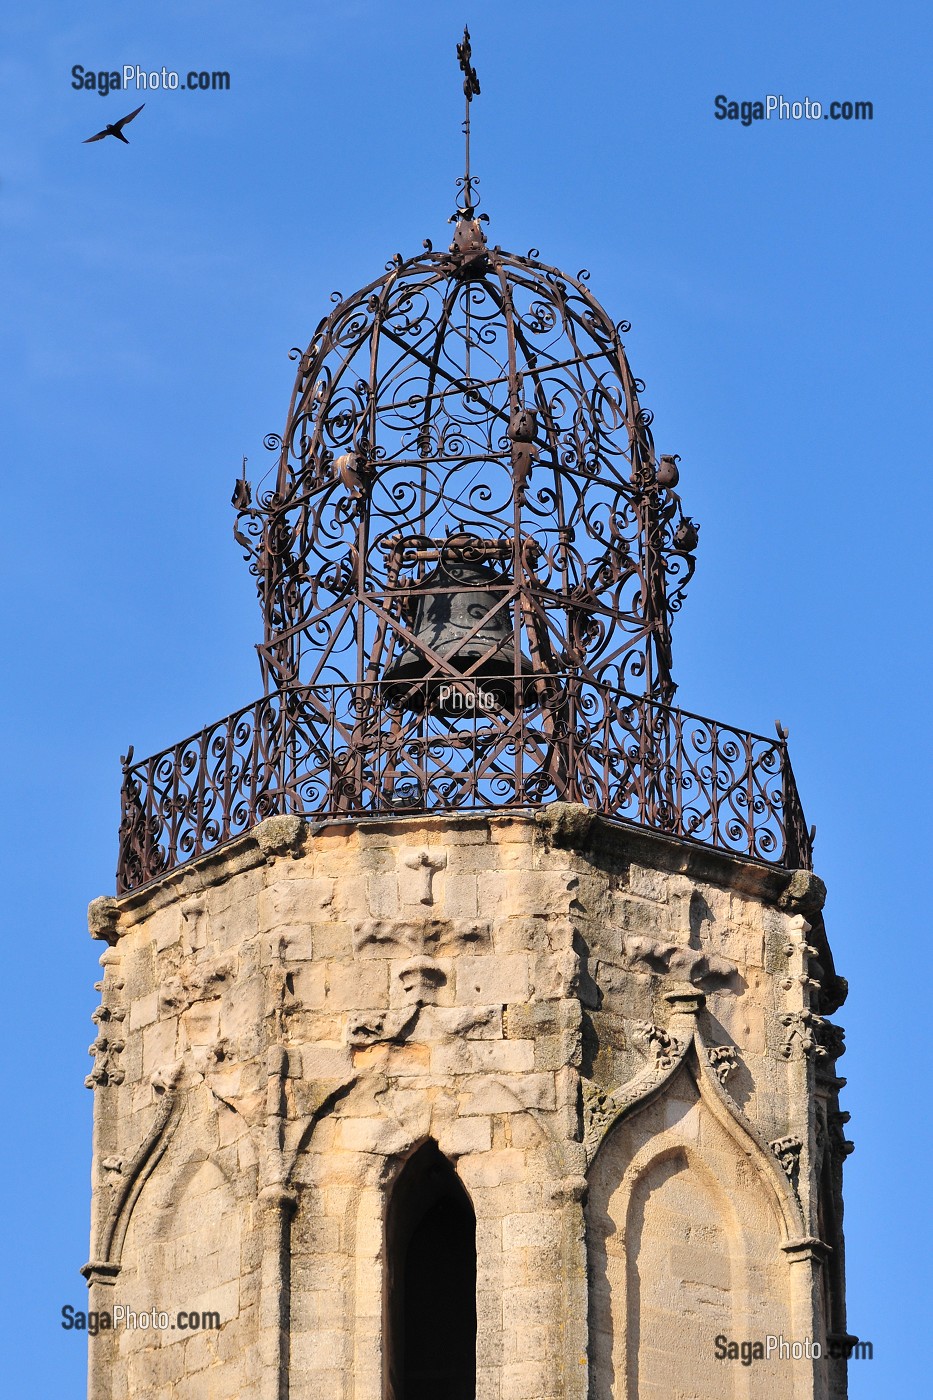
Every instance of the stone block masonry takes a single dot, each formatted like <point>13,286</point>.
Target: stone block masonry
<point>606,1050</point>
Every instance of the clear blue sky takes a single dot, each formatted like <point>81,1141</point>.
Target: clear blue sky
<point>777,278</point>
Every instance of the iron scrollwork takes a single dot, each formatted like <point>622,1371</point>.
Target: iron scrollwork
<point>353,749</point>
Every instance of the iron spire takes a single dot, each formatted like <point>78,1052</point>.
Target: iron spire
<point>470,90</point>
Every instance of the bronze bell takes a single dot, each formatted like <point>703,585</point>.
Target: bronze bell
<point>441,621</point>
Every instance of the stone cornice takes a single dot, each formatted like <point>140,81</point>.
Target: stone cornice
<point>593,835</point>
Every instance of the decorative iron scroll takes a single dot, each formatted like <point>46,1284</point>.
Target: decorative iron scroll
<point>359,750</point>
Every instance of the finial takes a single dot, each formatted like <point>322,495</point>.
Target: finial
<point>242,494</point>
<point>469,244</point>
<point>470,90</point>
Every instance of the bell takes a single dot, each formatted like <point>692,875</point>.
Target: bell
<point>441,621</point>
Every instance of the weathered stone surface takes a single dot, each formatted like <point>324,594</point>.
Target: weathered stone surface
<point>624,1059</point>
<point>805,893</point>
<point>567,824</point>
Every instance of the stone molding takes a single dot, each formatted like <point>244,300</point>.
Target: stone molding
<point>684,1046</point>
<point>131,1178</point>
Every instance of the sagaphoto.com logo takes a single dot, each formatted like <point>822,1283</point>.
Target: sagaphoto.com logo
<point>132,78</point>
<point>776,107</point>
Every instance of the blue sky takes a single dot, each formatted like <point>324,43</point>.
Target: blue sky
<point>777,280</point>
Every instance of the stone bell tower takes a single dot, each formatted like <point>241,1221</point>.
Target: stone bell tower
<point>463,1027</point>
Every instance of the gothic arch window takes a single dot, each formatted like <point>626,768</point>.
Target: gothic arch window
<point>431,1283</point>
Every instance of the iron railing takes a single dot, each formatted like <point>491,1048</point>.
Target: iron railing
<point>362,750</point>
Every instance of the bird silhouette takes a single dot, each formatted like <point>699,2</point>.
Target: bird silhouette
<point>115,129</point>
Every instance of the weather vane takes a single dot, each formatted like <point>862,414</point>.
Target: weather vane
<point>470,90</point>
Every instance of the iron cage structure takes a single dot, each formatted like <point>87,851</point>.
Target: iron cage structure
<point>468,566</point>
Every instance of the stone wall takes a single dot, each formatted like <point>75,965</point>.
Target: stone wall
<point>618,1041</point>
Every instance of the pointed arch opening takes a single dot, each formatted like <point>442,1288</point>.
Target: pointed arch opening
<point>431,1282</point>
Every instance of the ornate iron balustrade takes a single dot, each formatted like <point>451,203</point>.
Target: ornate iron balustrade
<point>360,750</point>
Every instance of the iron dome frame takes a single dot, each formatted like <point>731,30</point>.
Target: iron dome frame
<point>483,395</point>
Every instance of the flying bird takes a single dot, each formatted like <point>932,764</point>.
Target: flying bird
<point>115,129</point>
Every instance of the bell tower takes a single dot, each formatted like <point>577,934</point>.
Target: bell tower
<point>464,1020</point>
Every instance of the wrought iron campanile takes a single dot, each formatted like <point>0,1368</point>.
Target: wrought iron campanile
<point>468,566</point>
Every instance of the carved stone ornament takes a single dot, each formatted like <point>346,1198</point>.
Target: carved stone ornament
<point>802,1034</point>
<point>662,1047</point>
<point>787,1151</point>
<point>723,1060</point>
<point>832,1039</point>
<point>382,1027</point>
<point>682,961</point>
<point>836,1121</point>
<point>420,868</point>
<point>599,1109</point>
<point>108,1017</point>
